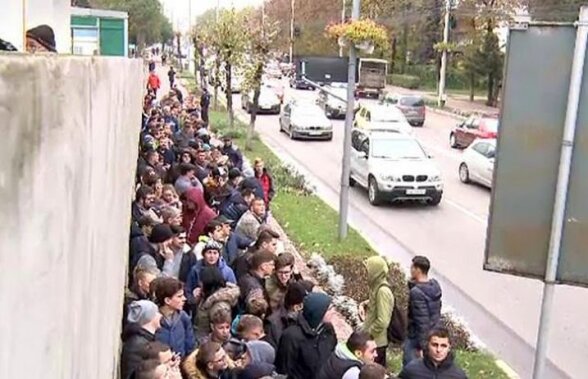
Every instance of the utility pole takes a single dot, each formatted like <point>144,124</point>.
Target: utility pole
<point>216,10</point>
<point>342,21</point>
<point>344,195</point>
<point>443,73</point>
<point>561,194</point>
<point>292,5</point>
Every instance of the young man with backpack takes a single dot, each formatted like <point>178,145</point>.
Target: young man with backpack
<point>379,306</point>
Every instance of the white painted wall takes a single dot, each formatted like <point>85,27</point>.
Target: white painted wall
<point>70,127</point>
<point>55,13</point>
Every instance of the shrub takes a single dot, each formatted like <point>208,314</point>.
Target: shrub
<point>406,81</point>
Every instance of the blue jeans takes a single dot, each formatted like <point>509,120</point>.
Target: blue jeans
<point>409,351</point>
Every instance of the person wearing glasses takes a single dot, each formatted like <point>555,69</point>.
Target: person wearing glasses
<point>208,361</point>
<point>277,284</point>
<point>437,361</point>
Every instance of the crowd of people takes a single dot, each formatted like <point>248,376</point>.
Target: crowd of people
<point>211,296</point>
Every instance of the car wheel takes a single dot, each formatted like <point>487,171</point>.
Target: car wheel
<point>435,200</point>
<point>351,181</point>
<point>464,173</point>
<point>420,123</point>
<point>374,194</point>
<point>452,141</point>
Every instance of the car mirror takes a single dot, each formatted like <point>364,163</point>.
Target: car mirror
<point>431,156</point>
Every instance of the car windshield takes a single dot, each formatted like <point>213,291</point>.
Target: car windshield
<point>307,113</point>
<point>396,149</point>
<point>340,92</point>
<point>491,125</point>
<point>412,101</point>
<point>266,94</point>
<point>385,115</point>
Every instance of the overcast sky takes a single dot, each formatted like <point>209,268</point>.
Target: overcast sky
<point>178,10</point>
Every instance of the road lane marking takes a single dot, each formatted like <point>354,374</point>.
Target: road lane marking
<point>469,213</point>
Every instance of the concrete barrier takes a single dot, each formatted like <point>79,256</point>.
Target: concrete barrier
<point>69,129</point>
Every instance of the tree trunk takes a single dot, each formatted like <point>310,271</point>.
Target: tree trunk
<point>404,48</point>
<point>216,82</point>
<point>229,94</point>
<point>180,52</point>
<point>472,86</point>
<point>490,95</point>
<point>393,55</point>
<point>253,117</point>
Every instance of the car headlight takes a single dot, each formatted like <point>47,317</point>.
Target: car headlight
<point>434,178</point>
<point>390,178</point>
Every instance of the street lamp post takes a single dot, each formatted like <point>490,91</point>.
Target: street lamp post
<point>292,6</point>
<point>342,21</point>
<point>344,194</point>
<point>443,73</point>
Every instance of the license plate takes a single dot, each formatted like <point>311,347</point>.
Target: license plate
<point>416,191</point>
<point>315,133</point>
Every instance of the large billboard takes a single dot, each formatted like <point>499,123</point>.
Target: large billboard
<point>535,94</point>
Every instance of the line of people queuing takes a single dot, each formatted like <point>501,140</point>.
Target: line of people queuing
<point>211,296</point>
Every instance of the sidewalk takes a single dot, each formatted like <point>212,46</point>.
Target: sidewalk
<point>456,104</point>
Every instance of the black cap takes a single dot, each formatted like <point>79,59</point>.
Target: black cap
<point>44,35</point>
<point>234,173</point>
<point>161,233</point>
<point>222,219</point>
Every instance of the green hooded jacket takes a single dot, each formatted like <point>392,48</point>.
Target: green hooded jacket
<point>381,300</point>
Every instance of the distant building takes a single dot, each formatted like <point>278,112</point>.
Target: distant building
<point>99,32</point>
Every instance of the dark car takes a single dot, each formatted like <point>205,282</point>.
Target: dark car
<point>474,127</point>
<point>298,83</point>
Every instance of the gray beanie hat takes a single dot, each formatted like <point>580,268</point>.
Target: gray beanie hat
<point>142,311</point>
<point>261,352</point>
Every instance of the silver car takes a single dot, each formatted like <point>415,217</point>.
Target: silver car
<point>333,107</point>
<point>305,120</point>
<point>413,107</point>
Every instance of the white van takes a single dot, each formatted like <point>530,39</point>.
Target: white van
<point>393,166</point>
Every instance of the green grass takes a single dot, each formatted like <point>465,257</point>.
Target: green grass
<point>312,225</point>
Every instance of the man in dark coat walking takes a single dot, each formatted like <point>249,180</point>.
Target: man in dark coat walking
<point>144,320</point>
<point>204,105</point>
<point>306,346</point>
<point>437,361</point>
<point>424,308</point>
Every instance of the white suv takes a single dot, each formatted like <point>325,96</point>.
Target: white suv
<point>393,166</point>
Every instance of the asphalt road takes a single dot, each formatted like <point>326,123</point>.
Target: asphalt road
<point>502,310</point>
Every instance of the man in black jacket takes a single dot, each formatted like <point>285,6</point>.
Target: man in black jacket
<point>424,308</point>
<point>306,346</point>
<point>286,315</point>
<point>437,361</point>
<point>348,358</point>
<point>144,320</point>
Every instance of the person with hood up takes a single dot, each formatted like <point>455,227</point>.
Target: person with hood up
<point>379,305</point>
<point>144,321</point>
<point>287,314</point>
<point>197,214</point>
<point>437,361</point>
<point>210,258</point>
<point>213,295</point>
<point>176,326</point>
<point>306,346</point>
<point>424,308</point>
<point>348,358</point>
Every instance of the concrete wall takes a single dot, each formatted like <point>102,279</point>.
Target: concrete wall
<point>55,13</point>
<point>69,129</point>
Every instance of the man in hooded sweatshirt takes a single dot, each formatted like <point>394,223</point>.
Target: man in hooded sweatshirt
<point>306,346</point>
<point>144,320</point>
<point>348,358</point>
<point>379,305</point>
<point>424,308</point>
<point>197,214</point>
<point>437,361</point>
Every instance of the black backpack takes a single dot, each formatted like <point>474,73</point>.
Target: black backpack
<point>398,325</point>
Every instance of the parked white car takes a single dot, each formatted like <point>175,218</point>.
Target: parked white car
<point>478,162</point>
<point>393,166</point>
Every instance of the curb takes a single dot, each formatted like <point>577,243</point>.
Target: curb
<point>446,113</point>
<point>509,371</point>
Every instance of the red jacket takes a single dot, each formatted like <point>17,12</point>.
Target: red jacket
<point>154,82</point>
<point>267,184</point>
<point>195,220</point>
